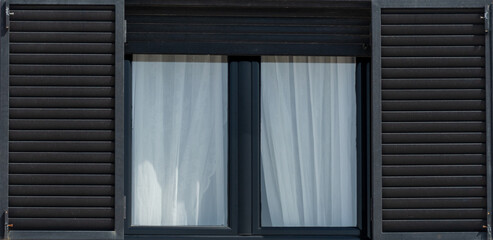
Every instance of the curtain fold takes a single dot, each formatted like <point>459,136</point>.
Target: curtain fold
<point>179,140</point>
<point>308,141</point>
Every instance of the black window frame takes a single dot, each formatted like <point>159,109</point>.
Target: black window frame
<point>244,161</point>
<point>232,167</point>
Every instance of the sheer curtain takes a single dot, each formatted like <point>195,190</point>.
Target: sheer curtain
<point>179,140</point>
<point>308,141</point>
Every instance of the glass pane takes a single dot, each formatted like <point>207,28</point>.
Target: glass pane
<point>308,141</point>
<point>179,140</point>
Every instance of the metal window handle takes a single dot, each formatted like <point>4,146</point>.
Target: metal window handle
<point>8,12</point>
<point>486,18</point>
<point>7,225</point>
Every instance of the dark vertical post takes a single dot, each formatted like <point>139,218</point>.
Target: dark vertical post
<point>488,86</point>
<point>359,143</point>
<point>376,123</point>
<point>255,122</point>
<point>364,135</point>
<point>233,112</point>
<point>4,114</point>
<point>368,148</point>
<point>119,119</point>
<point>128,141</point>
<point>241,70</point>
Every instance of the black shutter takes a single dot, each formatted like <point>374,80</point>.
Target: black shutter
<point>64,118</point>
<point>249,27</point>
<point>433,100</point>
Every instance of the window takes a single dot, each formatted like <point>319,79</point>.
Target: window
<point>179,140</point>
<point>308,141</point>
<point>244,145</point>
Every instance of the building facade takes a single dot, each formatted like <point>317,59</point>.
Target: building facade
<point>228,119</point>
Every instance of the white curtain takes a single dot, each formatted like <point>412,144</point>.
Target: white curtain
<point>308,141</point>
<point>179,140</point>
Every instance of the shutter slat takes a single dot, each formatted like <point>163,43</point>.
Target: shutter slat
<point>430,105</point>
<point>433,83</point>
<point>62,37</point>
<point>412,203</point>
<point>60,91</point>
<point>433,225</point>
<point>39,80</point>
<point>419,116</point>
<point>60,212</point>
<point>247,29</point>
<point>239,4</point>
<point>434,94</point>
<point>61,179</point>
<point>434,11</point>
<point>416,62</point>
<point>61,124</point>
<point>61,26</point>
<point>61,135</point>
<point>433,170</point>
<point>404,127</point>
<point>61,168</point>
<point>62,7</point>
<point>444,18</point>
<point>433,51</point>
<point>100,70</point>
<point>478,137</point>
<point>225,20</point>
<point>432,72</point>
<point>435,148</point>
<point>240,48</point>
<point>62,117</point>
<point>431,29</point>
<point>433,181</point>
<point>65,48</point>
<point>249,38</point>
<point>62,59</point>
<point>468,213</point>
<point>427,40</point>
<point>60,102</point>
<point>394,192</point>
<point>61,157</point>
<point>61,201</point>
<point>66,223</point>
<point>61,190</point>
<point>61,146</point>
<point>63,15</point>
<point>249,11</point>
<point>60,113</point>
<point>433,159</point>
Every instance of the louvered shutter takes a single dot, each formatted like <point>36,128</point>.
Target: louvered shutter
<point>249,27</point>
<point>431,89</point>
<point>65,119</point>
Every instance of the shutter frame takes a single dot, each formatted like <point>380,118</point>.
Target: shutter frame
<point>4,116</point>
<point>377,94</point>
<point>116,201</point>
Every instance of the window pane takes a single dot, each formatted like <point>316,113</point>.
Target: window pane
<point>308,141</point>
<point>179,140</point>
